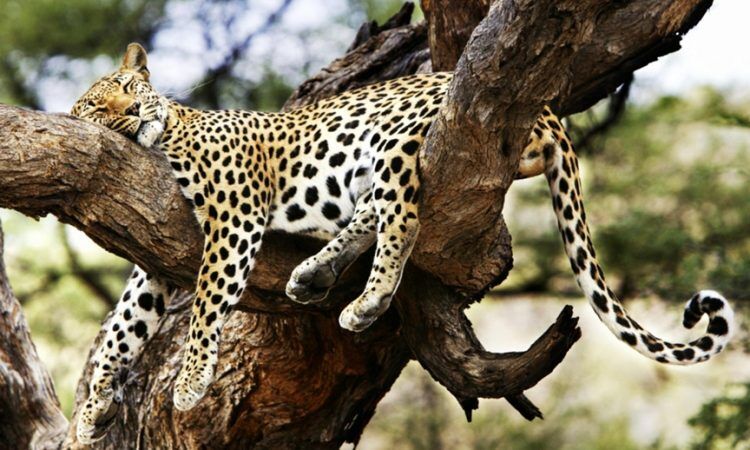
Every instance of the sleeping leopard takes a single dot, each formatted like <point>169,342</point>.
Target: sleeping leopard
<point>344,169</point>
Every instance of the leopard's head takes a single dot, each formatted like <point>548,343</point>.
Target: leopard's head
<point>124,101</point>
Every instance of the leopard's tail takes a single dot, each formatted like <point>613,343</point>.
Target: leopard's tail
<point>563,178</point>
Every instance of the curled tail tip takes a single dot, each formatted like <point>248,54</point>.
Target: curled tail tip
<point>708,302</point>
<point>719,311</point>
<point>718,333</point>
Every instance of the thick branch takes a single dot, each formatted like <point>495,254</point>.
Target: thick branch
<point>30,410</point>
<point>120,194</point>
<point>620,38</point>
<point>284,381</point>
<point>449,28</point>
<point>523,55</point>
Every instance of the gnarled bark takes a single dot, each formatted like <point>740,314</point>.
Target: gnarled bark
<point>288,376</point>
<point>449,28</point>
<point>523,55</point>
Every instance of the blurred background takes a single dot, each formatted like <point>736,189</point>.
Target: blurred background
<point>666,167</point>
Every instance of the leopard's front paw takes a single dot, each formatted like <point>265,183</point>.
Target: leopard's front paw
<point>149,133</point>
<point>311,281</point>
<point>191,385</point>
<point>97,415</point>
<point>362,312</point>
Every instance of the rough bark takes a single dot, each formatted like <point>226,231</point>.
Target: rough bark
<point>288,377</point>
<point>30,411</point>
<point>449,28</point>
<point>523,55</point>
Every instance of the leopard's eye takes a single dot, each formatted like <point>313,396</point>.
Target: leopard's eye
<point>92,107</point>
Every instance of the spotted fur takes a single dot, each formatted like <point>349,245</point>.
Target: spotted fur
<point>133,322</point>
<point>344,169</point>
<point>567,200</point>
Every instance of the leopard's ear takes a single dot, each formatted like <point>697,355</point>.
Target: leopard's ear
<point>135,59</point>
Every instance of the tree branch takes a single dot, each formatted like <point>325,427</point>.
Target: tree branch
<point>450,28</point>
<point>583,137</point>
<point>523,55</point>
<point>389,51</point>
<point>89,278</point>
<point>209,90</point>
<point>369,29</point>
<point>446,346</point>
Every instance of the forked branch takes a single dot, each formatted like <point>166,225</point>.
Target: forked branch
<point>443,341</point>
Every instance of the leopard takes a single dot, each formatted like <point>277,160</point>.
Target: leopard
<point>344,169</point>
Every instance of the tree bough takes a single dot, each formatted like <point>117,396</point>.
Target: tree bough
<point>288,375</point>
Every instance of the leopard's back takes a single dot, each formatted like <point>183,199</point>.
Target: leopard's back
<point>326,153</point>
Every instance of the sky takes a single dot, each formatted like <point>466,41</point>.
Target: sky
<point>714,52</point>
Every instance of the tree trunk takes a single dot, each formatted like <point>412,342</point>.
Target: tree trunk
<point>449,28</point>
<point>288,376</point>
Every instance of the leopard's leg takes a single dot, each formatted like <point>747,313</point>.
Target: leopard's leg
<point>395,195</point>
<point>533,159</point>
<point>228,258</point>
<point>134,321</point>
<point>314,277</point>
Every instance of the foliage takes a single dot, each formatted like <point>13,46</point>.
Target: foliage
<point>45,42</point>
<point>76,29</point>
<point>382,10</point>
<point>722,423</point>
<point>35,32</point>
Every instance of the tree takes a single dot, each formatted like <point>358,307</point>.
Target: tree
<point>288,376</point>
